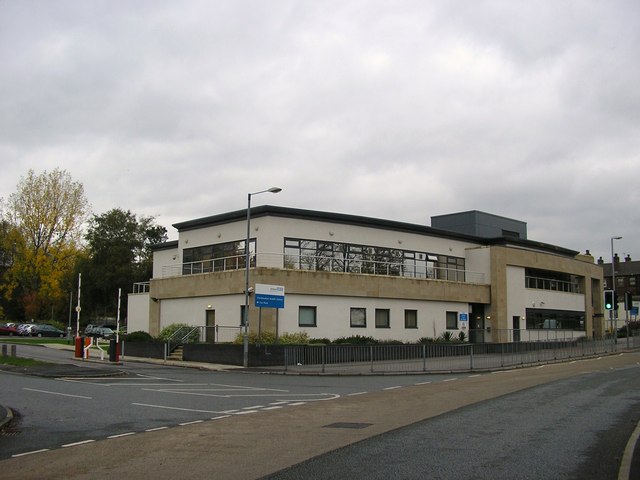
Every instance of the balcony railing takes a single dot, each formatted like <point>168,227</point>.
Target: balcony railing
<point>322,264</point>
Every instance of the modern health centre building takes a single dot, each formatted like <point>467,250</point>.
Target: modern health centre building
<point>345,275</point>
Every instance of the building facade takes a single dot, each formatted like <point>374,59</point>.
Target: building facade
<point>346,275</point>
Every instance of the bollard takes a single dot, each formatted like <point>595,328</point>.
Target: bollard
<point>113,350</point>
<point>13,350</point>
<point>79,347</point>
<point>4,350</point>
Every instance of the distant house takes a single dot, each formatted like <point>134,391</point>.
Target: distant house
<point>347,275</point>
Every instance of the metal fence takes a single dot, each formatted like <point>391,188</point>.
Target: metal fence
<point>434,358</point>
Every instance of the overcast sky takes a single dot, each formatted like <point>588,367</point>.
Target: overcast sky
<point>391,109</point>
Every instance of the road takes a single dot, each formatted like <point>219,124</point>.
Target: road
<point>54,412</point>
<point>558,421</point>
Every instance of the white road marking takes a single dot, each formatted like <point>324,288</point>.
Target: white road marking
<point>423,383</point>
<point>450,380</point>
<point>29,453</point>
<point>84,442</point>
<point>190,423</point>
<point>175,408</point>
<point>246,411</point>
<point>122,435</point>
<point>220,416</point>
<point>155,429</point>
<point>393,388</point>
<point>57,393</point>
<point>275,407</point>
<point>356,393</point>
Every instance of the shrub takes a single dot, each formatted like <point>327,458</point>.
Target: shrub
<point>269,338</point>
<point>446,337</point>
<point>169,330</point>
<point>356,340</point>
<point>462,337</point>
<point>138,336</point>
<point>426,340</point>
<point>319,341</point>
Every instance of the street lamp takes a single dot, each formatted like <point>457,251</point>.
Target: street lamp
<point>245,353</point>
<point>613,311</point>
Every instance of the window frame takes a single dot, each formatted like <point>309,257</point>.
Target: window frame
<point>308,308</point>
<point>355,310</point>
<point>385,312</point>
<point>451,315</point>
<point>407,319</point>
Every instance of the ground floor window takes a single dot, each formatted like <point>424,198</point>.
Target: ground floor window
<point>452,320</point>
<point>358,317</point>
<point>306,316</point>
<point>410,319</point>
<point>383,318</point>
<point>547,319</point>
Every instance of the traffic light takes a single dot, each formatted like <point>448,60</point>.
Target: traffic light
<point>609,299</point>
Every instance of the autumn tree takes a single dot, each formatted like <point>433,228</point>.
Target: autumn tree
<point>44,220</point>
<point>118,255</point>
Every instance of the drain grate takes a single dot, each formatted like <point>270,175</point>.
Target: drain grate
<point>348,425</point>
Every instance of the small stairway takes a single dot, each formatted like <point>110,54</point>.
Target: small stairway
<point>176,354</point>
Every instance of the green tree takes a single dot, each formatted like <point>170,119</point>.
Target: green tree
<point>118,255</point>
<point>44,217</point>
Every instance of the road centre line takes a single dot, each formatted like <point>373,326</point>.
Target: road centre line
<point>449,380</point>
<point>191,423</point>
<point>423,383</point>
<point>155,429</point>
<point>275,407</point>
<point>84,442</point>
<point>175,408</point>
<point>29,453</point>
<point>253,407</point>
<point>245,412</point>
<point>122,435</point>
<point>57,393</point>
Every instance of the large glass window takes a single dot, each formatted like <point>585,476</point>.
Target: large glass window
<point>218,257</point>
<point>383,318</point>
<point>358,317</point>
<point>306,316</point>
<point>320,255</point>
<point>547,319</point>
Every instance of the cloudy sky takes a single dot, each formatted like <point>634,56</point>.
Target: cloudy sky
<point>392,109</point>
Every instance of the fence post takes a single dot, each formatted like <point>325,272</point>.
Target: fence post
<point>324,356</point>
<point>471,357</point>
<point>371,356</point>
<point>286,358</point>
<point>13,350</point>
<point>424,357</point>
<point>4,350</point>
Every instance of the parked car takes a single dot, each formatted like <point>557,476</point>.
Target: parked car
<point>100,331</point>
<point>25,328</point>
<point>6,329</point>
<point>44,330</point>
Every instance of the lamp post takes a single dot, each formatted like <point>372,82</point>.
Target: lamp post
<point>613,311</point>
<point>245,353</point>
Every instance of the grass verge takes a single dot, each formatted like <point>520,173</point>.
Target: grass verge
<point>20,362</point>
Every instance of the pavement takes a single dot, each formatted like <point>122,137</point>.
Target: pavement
<point>255,446</point>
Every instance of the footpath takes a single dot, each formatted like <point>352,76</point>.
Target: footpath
<point>255,446</point>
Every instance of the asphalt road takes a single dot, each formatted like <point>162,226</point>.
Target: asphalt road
<point>558,421</point>
<point>571,429</point>
<point>118,400</point>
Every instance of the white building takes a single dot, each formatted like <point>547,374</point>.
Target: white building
<point>347,275</point>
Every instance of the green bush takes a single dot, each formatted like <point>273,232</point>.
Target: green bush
<point>138,336</point>
<point>446,337</point>
<point>356,340</point>
<point>426,340</point>
<point>269,338</point>
<point>169,330</point>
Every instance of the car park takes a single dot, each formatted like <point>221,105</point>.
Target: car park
<point>6,329</point>
<point>44,330</point>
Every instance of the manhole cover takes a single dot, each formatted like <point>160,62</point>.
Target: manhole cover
<point>348,425</point>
